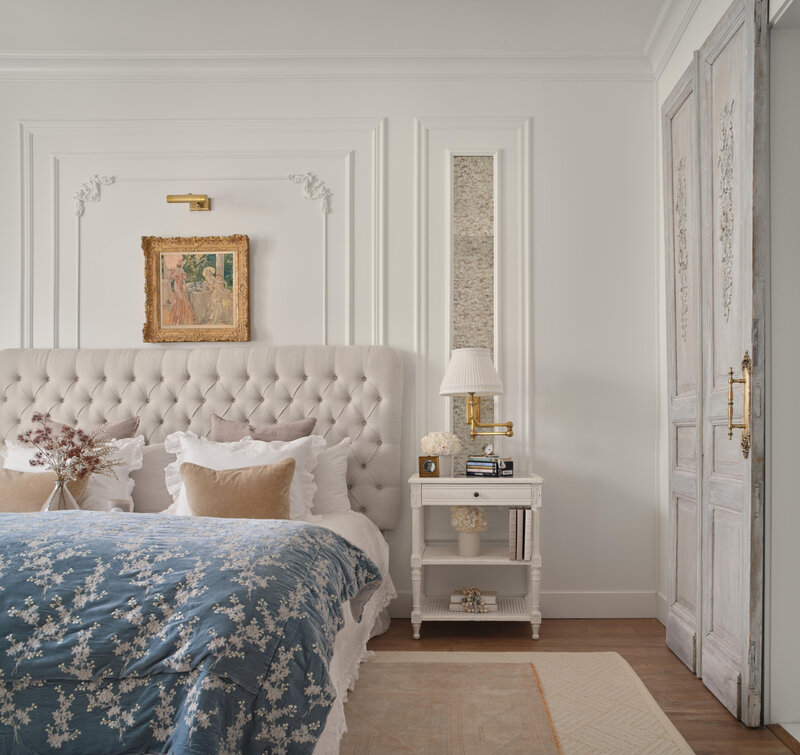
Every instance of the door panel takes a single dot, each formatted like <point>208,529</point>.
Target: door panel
<point>735,249</point>
<point>681,205</point>
<point>686,563</point>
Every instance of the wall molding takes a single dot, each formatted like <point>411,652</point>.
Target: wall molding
<point>523,126</point>
<point>657,26</point>
<point>668,34</point>
<point>90,192</point>
<point>313,188</point>
<point>463,65</point>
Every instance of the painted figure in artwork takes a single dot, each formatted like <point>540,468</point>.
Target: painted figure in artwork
<point>220,300</point>
<point>180,313</point>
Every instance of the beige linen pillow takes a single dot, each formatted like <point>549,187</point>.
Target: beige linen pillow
<point>27,491</point>
<point>126,428</point>
<point>248,493</point>
<point>228,431</point>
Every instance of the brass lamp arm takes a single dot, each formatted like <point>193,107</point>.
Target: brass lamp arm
<point>473,419</point>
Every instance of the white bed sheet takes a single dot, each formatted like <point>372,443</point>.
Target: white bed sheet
<point>350,646</point>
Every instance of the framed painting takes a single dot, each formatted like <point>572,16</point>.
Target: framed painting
<point>196,289</point>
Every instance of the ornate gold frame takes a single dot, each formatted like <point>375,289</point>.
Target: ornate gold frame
<point>154,246</point>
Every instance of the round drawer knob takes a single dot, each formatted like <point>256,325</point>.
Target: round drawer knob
<point>476,494</point>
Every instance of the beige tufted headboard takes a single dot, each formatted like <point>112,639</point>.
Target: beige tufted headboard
<point>353,391</point>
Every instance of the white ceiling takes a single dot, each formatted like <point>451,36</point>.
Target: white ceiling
<point>559,27</point>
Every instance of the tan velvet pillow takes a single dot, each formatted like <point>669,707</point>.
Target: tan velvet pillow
<point>248,493</point>
<point>126,428</point>
<point>27,491</point>
<point>227,431</point>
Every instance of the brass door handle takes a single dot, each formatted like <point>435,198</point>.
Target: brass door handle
<point>745,426</point>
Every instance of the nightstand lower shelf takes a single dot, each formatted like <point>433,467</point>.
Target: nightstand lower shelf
<point>515,608</point>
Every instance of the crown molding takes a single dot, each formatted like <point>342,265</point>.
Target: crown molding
<point>324,65</point>
<point>657,25</point>
<point>670,26</point>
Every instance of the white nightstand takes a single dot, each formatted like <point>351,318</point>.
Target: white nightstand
<point>522,492</point>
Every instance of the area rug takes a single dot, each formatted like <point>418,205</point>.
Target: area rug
<point>510,703</point>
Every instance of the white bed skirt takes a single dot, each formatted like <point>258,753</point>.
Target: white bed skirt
<point>350,646</point>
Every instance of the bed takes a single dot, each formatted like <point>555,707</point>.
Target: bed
<point>244,667</point>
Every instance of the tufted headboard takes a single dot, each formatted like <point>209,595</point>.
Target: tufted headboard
<point>353,391</point>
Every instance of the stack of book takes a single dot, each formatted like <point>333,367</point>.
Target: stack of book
<point>489,466</point>
<point>520,534</point>
<point>489,600</point>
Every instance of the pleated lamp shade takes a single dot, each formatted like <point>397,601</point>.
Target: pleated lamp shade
<point>471,371</point>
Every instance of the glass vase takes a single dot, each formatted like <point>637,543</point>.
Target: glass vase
<point>60,499</point>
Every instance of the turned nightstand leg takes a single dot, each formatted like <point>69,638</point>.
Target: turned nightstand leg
<point>535,624</point>
<point>416,625</point>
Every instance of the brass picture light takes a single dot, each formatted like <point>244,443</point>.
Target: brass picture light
<point>196,202</point>
<point>471,373</point>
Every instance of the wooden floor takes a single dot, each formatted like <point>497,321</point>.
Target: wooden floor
<point>705,724</point>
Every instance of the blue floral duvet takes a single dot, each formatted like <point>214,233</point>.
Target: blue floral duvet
<point>156,634</point>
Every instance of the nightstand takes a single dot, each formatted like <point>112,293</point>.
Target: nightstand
<point>519,492</point>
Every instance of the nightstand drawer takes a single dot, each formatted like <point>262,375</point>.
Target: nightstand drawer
<point>462,494</point>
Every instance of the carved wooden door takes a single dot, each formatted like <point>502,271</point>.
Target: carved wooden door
<point>735,242</point>
<point>680,116</point>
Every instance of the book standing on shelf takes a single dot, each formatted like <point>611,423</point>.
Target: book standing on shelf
<point>520,534</point>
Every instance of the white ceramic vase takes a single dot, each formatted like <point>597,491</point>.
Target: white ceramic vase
<point>469,544</point>
<point>445,466</point>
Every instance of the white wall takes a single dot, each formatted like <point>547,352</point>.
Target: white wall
<point>784,524</point>
<point>583,322</point>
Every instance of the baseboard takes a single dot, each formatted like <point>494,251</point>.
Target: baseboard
<point>575,605</point>
<point>661,608</point>
<point>785,737</point>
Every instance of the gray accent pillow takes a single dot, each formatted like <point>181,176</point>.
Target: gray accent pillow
<point>125,428</point>
<point>228,431</point>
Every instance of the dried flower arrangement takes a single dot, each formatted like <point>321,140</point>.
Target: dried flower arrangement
<point>467,519</point>
<point>472,600</point>
<point>71,454</point>
<point>441,444</point>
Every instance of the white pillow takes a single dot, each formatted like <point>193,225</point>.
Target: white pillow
<point>150,494</point>
<point>100,488</point>
<point>244,453</point>
<point>331,478</point>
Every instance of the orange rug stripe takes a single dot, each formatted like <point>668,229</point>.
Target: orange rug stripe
<point>547,709</point>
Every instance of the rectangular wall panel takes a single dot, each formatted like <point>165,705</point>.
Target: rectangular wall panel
<point>472,278</point>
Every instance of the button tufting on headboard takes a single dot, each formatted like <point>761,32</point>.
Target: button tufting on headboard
<point>353,391</point>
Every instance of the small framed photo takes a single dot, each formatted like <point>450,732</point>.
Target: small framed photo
<point>428,466</point>
<point>196,289</point>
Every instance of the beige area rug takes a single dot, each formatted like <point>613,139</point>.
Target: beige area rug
<point>509,703</point>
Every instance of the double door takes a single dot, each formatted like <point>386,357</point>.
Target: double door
<point>716,220</point>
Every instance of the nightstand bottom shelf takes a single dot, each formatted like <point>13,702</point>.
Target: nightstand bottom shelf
<point>509,608</point>
<point>515,608</point>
